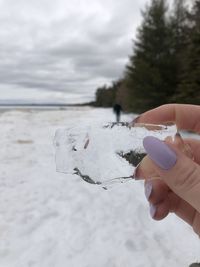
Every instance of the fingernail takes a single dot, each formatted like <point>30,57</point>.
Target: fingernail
<point>152,210</point>
<point>160,152</point>
<point>131,124</point>
<point>137,174</point>
<point>148,189</point>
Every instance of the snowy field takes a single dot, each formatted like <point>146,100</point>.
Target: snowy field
<point>49,219</point>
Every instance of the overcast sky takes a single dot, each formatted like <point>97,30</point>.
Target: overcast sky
<point>63,44</point>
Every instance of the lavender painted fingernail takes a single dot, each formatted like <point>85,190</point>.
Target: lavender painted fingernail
<point>152,210</point>
<point>159,152</point>
<point>148,189</point>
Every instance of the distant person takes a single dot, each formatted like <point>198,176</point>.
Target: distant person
<point>117,110</point>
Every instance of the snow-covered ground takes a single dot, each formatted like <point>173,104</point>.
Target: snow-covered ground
<point>49,219</point>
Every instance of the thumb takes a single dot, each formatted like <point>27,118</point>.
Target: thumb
<point>179,172</point>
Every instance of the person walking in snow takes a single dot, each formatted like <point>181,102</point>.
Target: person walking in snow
<point>117,110</point>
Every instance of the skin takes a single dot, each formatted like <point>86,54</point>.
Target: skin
<point>186,117</point>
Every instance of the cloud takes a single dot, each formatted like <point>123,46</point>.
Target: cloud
<point>65,45</point>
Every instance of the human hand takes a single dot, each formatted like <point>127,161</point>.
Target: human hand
<point>177,187</point>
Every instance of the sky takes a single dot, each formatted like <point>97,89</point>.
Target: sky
<point>50,48</point>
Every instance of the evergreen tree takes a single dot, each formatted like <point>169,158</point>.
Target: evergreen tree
<point>150,71</point>
<point>179,39</point>
<point>106,95</point>
<point>178,22</point>
<point>165,64</point>
<point>189,87</point>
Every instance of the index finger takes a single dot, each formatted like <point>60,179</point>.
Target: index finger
<point>186,117</point>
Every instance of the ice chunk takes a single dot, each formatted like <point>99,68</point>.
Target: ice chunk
<point>104,154</point>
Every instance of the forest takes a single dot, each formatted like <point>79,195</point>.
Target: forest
<point>164,66</point>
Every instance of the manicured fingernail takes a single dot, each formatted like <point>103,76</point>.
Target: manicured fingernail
<point>131,124</point>
<point>160,152</point>
<point>152,210</point>
<point>148,189</point>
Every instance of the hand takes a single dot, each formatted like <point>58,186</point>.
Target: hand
<point>178,187</point>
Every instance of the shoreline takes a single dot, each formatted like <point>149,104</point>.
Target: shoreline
<point>43,106</point>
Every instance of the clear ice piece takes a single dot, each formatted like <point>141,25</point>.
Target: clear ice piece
<point>105,154</point>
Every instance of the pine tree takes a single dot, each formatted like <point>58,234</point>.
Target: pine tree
<point>179,39</point>
<point>189,87</point>
<point>150,71</point>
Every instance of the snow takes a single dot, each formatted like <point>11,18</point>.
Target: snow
<point>49,219</point>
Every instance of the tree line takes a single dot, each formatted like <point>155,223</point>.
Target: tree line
<point>165,63</point>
